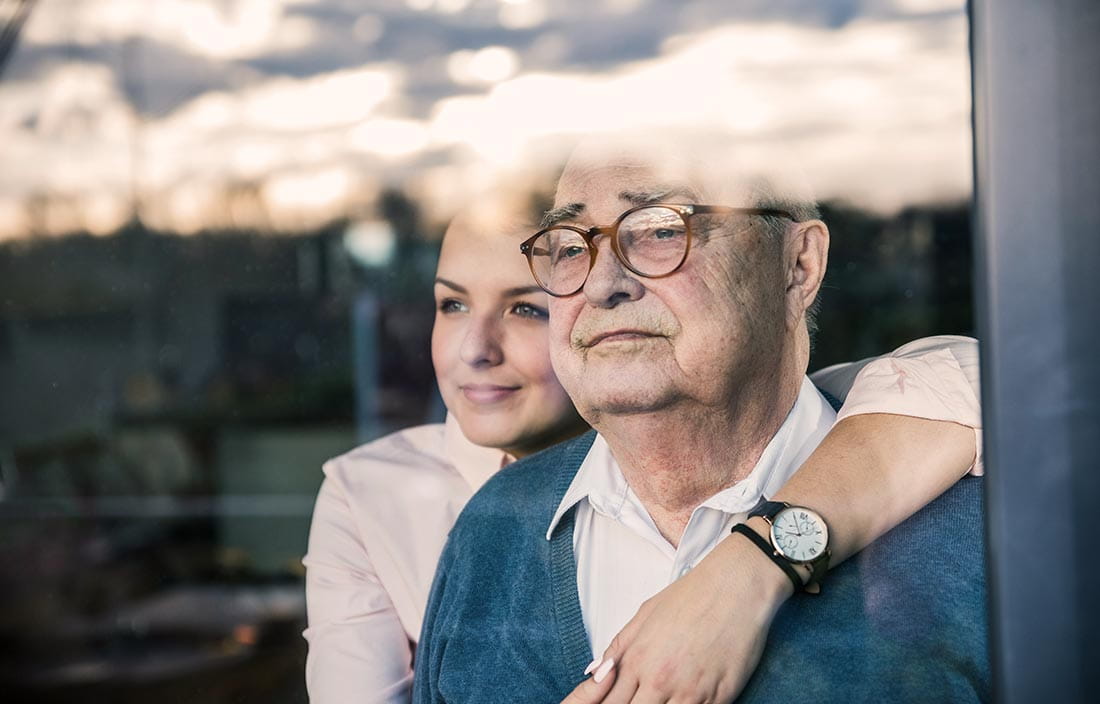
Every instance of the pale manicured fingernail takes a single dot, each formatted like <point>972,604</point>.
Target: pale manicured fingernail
<point>604,669</point>
<point>593,665</point>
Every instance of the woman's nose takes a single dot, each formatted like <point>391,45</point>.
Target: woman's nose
<point>481,343</point>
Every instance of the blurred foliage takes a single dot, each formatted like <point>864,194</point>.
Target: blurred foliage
<point>893,279</point>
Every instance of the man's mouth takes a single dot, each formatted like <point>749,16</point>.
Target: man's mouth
<point>487,393</point>
<point>622,335</point>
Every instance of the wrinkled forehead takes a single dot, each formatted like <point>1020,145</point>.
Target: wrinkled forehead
<point>681,170</point>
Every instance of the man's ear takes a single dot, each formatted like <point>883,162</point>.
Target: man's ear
<point>807,256</point>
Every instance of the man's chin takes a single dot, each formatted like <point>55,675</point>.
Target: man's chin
<point>621,394</point>
<point>615,380</point>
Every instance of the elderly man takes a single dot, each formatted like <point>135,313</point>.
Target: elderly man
<point>679,328</point>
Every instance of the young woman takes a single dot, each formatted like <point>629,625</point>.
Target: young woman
<point>384,509</point>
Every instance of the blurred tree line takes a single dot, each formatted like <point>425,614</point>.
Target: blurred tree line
<point>892,279</point>
<point>244,324</point>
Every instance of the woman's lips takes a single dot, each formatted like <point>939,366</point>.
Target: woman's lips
<point>487,393</point>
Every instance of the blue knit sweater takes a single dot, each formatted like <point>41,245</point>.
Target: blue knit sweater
<point>903,621</point>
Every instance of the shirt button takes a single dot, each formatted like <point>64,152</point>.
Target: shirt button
<point>685,570</point>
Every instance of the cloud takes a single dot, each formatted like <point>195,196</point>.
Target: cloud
<point>70,135</point>
<point>876,108</point>
<point>225,30</point>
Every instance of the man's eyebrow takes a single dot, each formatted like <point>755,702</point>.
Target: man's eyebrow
<point>451,284</point>
<point>565,212</point>
<point>660,194</point>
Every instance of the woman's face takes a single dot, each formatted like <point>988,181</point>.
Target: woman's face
<point>489,343</point>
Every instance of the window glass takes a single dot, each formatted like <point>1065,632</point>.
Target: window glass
<point>218,226</point>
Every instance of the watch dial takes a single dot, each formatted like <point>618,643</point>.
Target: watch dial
<point>799,534</point>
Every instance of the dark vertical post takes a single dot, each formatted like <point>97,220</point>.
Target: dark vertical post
<point>1036,70</point>
<point>365,326</point>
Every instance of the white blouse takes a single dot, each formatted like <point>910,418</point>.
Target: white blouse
<point>385,508</point>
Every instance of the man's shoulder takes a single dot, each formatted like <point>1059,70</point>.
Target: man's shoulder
<point>906,617</point>
<point>948,532</point>
<point>501,597</point>
<point>506,520</point>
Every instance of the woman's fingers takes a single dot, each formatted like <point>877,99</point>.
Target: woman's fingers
<point>594,689</point>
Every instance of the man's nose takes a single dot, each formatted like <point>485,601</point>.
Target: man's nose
<point>481,343</point>
<point>610,283</point>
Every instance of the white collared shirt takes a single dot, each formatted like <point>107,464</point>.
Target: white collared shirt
<point>622,559</point>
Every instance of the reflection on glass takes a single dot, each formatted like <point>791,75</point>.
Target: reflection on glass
<point>217,232</point>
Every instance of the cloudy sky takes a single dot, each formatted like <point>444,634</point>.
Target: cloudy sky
<point>286,113</point>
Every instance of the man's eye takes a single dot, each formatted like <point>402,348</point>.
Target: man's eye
<point>527,310</point>
<point>570,252</point>
<point>665,233</point>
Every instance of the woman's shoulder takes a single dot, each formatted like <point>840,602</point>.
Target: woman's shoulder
<point>391,480</point>
<point>419,450</point>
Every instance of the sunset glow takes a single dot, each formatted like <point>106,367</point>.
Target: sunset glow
<point>877,110</point>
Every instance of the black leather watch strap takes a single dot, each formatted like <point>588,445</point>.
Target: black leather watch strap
<point>818,568</point>
<point>779,560</point>
<point>767,509</point>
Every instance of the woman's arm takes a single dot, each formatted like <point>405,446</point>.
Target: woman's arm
<point>358,649</point>
<point>910,427</point>
<point>872,471</point>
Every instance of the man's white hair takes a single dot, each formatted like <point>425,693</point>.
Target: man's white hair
<point>727,168</point>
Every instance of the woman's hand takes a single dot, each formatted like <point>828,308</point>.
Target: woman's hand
<point>700,638</point>
<point>596,687</point>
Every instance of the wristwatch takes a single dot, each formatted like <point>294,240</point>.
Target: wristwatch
<point>798,535</point>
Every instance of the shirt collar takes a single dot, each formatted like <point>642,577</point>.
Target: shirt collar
<point>473,462</point>
<point>600,480</point>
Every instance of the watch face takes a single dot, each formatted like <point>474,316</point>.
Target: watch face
<point>799,534</point>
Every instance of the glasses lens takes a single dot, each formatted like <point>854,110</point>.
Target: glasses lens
<point>560,260</point>
<point>653,240</point>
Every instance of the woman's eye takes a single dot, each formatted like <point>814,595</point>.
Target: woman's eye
<point>526,310</point>
<point>450,305</point>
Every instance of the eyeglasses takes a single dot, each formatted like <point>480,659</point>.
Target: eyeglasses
<point>651,240</point>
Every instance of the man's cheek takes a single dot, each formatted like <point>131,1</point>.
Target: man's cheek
<point>561,327</point>
<point>559,361</point>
